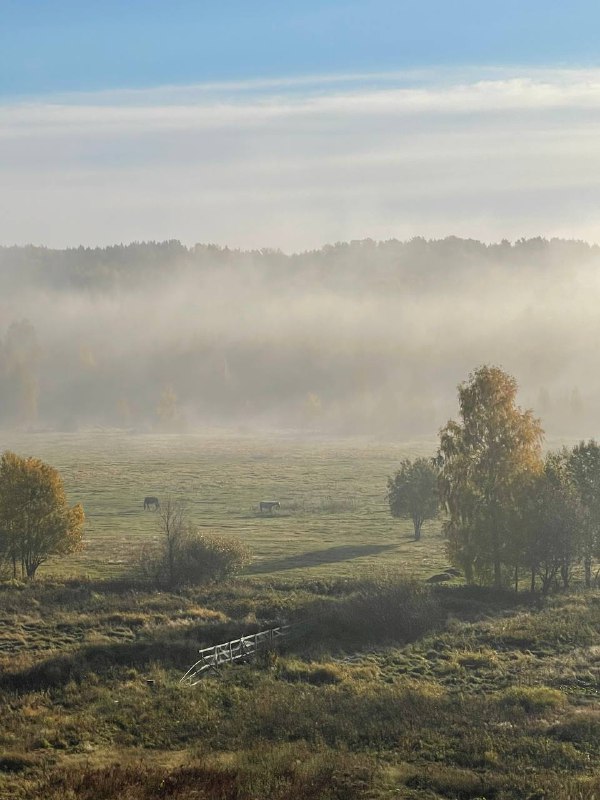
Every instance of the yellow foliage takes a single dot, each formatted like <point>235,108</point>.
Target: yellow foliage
<point>35,519</point>
<point>484,461</point>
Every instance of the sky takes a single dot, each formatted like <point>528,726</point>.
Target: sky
<point>279,125</point>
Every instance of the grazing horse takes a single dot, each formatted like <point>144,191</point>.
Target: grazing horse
<point>151,502</point>
<point>268,505</point>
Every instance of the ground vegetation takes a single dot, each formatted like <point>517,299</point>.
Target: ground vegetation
<point>427,694</point>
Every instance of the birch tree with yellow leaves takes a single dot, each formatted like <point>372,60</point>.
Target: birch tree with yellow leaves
<point>484,460</point>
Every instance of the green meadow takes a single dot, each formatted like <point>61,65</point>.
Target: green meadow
<point>333,521</point>
<point>391,687</point>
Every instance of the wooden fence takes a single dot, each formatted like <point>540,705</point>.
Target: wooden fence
<point>236,650</point>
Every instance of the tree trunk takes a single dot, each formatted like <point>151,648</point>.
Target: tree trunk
<point>468,568</point>
<point>31,569</point>
<point>532,580</point>
<point>516,579</point>
<point>417,524</point>
<point>496,550</point>
<point>548,578</point>
<point>497,565</point>
<point>587,565</point>
<point>564,574</point>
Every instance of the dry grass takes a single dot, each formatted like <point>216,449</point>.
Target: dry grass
<point>461,708</point>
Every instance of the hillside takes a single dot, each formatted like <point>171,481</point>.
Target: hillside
<point>392,691</point>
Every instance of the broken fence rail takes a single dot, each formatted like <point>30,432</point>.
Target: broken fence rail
<point>235,650</point>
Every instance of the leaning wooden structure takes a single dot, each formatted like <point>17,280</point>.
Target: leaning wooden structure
<point>242,649</point>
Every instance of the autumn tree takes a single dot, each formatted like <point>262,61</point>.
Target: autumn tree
<point>413,492</point>
<point>35,519</point>
<point>484,458</point>
<point>584,467</point>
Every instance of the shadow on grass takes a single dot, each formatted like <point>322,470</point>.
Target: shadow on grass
<point>173,650</point>
<point>98,660</point>
<point>473,603</point>
<point>391,609</point>
<point>313,558</point>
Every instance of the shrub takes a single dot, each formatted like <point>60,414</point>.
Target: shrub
<point>391,608</point>
<point>197,558</point>
<point>582,728</point>
<point>207,557</point>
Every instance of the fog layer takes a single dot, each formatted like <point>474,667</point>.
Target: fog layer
<point>358,338</point>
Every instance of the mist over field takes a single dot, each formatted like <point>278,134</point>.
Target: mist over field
<point>359,338</point>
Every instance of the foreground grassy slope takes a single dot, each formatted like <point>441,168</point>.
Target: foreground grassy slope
<point>394,691</point>
<point>334,517</point>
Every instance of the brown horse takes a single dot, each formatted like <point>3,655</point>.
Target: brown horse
<point>151,502</point>
<point>268,505</point>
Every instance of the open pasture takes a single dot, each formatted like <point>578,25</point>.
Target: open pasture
<point>393,689</point>
<point>333,521</point>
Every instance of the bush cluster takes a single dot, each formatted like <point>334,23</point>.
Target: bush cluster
<point>196,558</point>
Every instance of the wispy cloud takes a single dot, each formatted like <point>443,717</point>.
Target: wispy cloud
<point>297,162</point>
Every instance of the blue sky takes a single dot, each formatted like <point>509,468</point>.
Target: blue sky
<point>48,46</point>
<point>266,124</point>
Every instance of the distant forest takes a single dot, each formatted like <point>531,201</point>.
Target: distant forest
<point>355,338</point>
<point>378,266</point>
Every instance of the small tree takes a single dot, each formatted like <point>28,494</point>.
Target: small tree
<point>35,520</point>
<point>172,525</point>
<point>413,492</point>
<point>186,557</point>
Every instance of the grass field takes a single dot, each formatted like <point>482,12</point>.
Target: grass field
<point>396,690</point>
<point>334,518</point>
<point>390,688</point>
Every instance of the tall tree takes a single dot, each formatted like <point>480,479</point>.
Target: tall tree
<point>484,458</point>
<point>553,520</point>
<point>584,466</point>
<point>413,492</point>
<point>35,520</point>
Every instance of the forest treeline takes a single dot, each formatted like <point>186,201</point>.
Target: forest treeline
<point>362,337</point>
<point>378,265</point>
